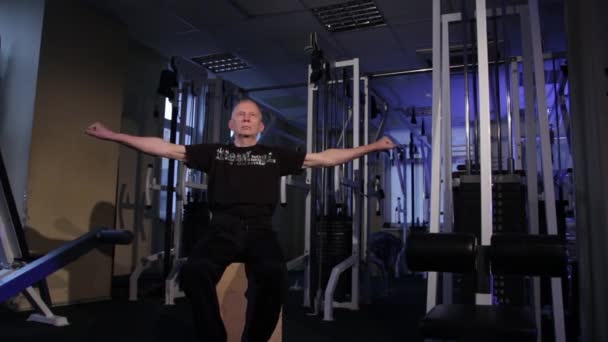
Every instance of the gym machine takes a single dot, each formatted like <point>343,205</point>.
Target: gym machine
<point>336,220</point>
<point>20,271</point>
<point>487,252</point>
<point>185,85</point>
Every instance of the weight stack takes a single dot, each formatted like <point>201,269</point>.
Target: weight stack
<point>332,245</point>
<point>508,200</point>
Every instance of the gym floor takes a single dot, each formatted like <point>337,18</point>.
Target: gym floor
<point>393,317</point>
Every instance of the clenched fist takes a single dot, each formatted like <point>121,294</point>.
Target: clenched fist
<point>385,143</point>
<point>99,131</point>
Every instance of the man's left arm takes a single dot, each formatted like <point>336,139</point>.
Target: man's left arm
<point>334,156</point>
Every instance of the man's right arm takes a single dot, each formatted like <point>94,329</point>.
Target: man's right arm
<point>150,145</point>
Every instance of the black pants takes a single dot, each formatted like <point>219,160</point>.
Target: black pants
<point>232,239</point>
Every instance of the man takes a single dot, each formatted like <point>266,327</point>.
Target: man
<point>243,188</point>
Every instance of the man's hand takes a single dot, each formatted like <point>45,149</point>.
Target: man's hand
<point>337,156</point>
<point>385,143</point>
<point>99,131</point>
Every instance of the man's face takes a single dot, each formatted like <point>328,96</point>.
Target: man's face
<point>246,119</point>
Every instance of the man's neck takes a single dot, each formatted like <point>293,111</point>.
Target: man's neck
<point>245,141</point>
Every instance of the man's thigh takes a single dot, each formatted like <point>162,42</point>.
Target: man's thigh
<point>222,243</point>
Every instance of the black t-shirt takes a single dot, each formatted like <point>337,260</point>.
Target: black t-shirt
<point>243,181</point>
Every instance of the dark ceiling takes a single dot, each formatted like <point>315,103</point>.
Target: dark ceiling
<point>270,36</point>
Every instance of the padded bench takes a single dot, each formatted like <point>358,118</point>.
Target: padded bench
<point>508,254</point>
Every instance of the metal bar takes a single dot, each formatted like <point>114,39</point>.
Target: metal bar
<point>497,108</point>
<point>9,245</point>
<point>347,63</point>
<point>510,161</point>
<point>465,71</point>
<point>531,162</point>
<point>40,268</point>
<point>448,217</point>
<point>485,143</point>
<point>339,169</point>
<point>456,67</point>
<point>322,117</point>
<point>381,74</point>
<point>380,128</point>
<point>426,176</point>
<point>308,205</point>
<point>344,128</point>
<point>530,120</point>
<point>412,180</point>
<point>168,234</point>
<point>46,315</point>
<point>366,183</point>
<point>277,87</point>
<point>475,96</point>
<point>355,195</point>
<point>545,144</point>
<point>328,311</point>
<point>354,260</point>
<point>283,191</point>
<point>448,207</point>
<point>560,194</point>
<point>341,193</point>
<point>181,175</point>
<point>14,242</point>
<point>431,293</point>
<point>172,289</point>
<point>296,262</point>
<point>515,116</point>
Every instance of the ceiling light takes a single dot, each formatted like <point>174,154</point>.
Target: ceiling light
<point>349,16</point>
<point>221,62</point>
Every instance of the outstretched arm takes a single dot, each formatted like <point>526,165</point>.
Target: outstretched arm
<point>150,145</point>
<point>333,157</point>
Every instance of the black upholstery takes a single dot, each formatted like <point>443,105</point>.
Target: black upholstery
<point>509,253</point>
<point>112,236</point>
<point>524,254</point>
<point>441,252</point>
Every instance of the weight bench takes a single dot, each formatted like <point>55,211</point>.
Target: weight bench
<point>508,254</point>
<point>22,279</point>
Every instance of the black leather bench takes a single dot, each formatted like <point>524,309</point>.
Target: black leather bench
<point>508,254</point>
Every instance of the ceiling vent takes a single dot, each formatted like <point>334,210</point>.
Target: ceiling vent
<point>349,16</point>
<point>221,62</point>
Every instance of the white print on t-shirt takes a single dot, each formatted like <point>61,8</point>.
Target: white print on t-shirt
<point>246,158</point>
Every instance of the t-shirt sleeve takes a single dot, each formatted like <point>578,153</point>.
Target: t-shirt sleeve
<point>290,162</point>
<point>200,157</point>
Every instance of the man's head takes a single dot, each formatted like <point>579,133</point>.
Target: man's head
<point>246,120</point>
